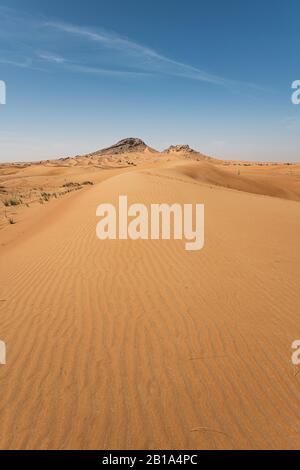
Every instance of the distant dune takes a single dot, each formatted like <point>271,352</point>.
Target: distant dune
<point>141,344</point>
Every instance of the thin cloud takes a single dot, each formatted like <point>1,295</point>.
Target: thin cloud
<point>110,40</point>
<point>51,58</point>
<point>100,71</point>
<point>116,55</point>
<point>55,59</point>
<point>150,58</point>
<point>25,64</point>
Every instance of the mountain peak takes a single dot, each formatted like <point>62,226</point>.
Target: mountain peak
<point>179,148</point>
<point>130,144</point>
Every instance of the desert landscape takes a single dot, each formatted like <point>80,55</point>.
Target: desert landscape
<point>139,344</point>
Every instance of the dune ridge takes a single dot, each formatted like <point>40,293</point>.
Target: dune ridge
<point>25,185</point>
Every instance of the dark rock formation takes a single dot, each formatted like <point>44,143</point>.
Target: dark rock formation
<point>131,144</point>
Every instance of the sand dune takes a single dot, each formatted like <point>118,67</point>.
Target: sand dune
<point>276,182</point>
<point>141,344</point>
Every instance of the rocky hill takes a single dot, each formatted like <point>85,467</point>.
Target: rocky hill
<point>128,145</point>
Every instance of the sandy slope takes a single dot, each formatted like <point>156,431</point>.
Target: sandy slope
<point>141,344</point>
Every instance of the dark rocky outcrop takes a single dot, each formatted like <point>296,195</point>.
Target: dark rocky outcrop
<point>130,144</point>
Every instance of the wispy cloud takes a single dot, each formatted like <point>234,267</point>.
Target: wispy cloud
<point>111,40</point>
<point>24,64</point>
<point>145,57</point>
<point>75,67</point>
<point>109,72</point>
<point>51,57</point>
<point>95,51</point>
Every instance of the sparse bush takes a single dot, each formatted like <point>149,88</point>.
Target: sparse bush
<point>71,185</point>
<point>11,221</point>
<point>45,196</point>
<point>11,202</point>
<point>85,183</point>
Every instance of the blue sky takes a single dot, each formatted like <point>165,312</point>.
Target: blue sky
<point>217,75</point>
